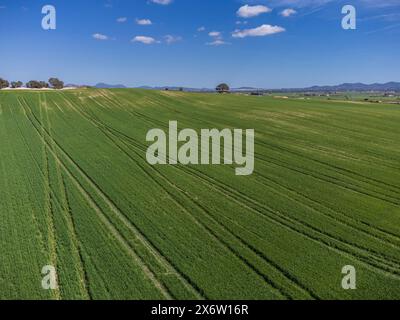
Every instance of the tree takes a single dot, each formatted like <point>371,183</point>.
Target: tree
<point>56,83</point>
<point>43,84</point>
<point>16,84</point>
<point>4,83</point>
<point>34,84</point>
<point>222,88</point>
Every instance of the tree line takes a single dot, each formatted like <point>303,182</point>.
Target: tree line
<point>33,84</point>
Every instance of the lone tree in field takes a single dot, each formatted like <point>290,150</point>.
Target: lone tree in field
<point>222,88</point>
<point>4,83</point>
<point>56,83</point>
<point>16,84</point>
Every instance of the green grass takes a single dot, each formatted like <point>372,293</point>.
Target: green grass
<point>77,193</point>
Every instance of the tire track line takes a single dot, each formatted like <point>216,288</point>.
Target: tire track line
<point>66,209</point>
<point>204,226</point>
<point>35,219</point>
<point>335,213</point>
<point>260,157</point>
<point>128,224</point>
<point>106,222</point>
<point>49,205</point>
<point>288,222</point>
<point>377,255</point>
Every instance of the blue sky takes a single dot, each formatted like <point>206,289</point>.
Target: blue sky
<point>200,43</point>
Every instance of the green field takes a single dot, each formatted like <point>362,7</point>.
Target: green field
<point>76,192</point>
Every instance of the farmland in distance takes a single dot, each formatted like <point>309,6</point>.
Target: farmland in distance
<point>77,193</point>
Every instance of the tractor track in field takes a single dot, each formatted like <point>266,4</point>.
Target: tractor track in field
<point>354,132</point>
<point>142,238</point>
<point>208,230</point>
<point>391,187</point>
<point>381,231</point>
<point>285,221</point>
<point>66,209</point>
<point>72,225</point>
<point>102,127</point>
<point>321,203</point>
<point>336,168</point>
<point>355,188</point>
<point>370,158</point>
<point>345,173</point>
<point>290,223</point>
<point>60,206</point>
<point>102,216</point>
<point>255,251</point>
<point>380,257</point>
<point>153,122</point>
<point>333,180</point>
<point>383,237</point>
<point>34,218</point>
<point>167,264</point>
<point>370,181</point>
<point>52,237</point>
<point>377,264</point>
<point>73,233</point>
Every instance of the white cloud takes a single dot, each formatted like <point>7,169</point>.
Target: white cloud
<point>169,39</point>
<point>215,34</point>
<point>252,11</point>
<point>261,31</point>
<point>241,22</point>
<point>163,2</point>
<point>99,36</point>
<point>122,19</point>
<point>144,39</point>
<point>217,42</point>
<point>288,12</point>
<point>201,29</point>
<point>144,22</point>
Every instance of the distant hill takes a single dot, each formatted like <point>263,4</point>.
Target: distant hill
<point>176,88</point>
<point>110,86</point>
<point>344,87</point>
<point>389,86</point>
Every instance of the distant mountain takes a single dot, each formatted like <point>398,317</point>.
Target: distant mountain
<point>245,89</point>
<point>71,85</point>
<point>110,86</point>
<point>344,87</point>
<point>390,86</point>
<point>176,89</point>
